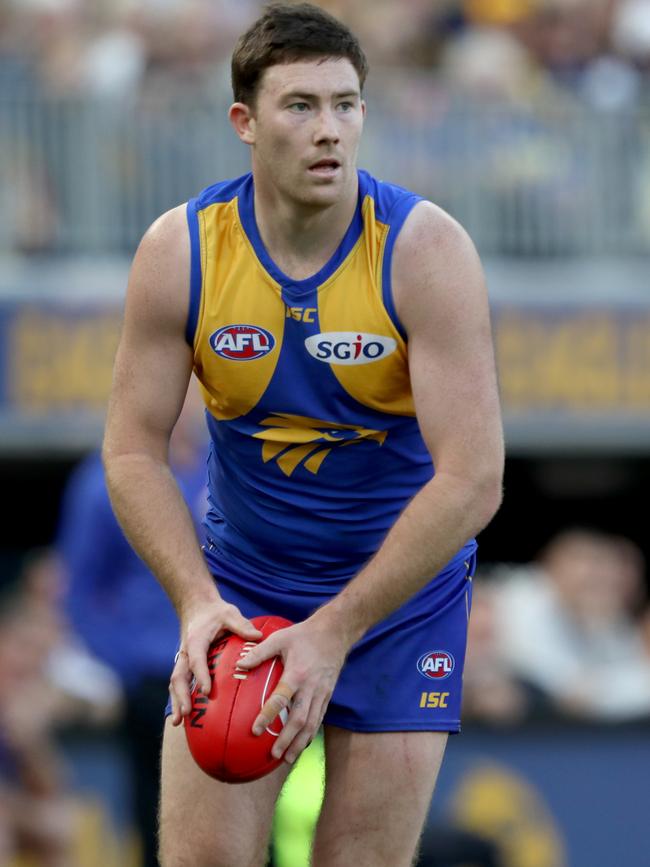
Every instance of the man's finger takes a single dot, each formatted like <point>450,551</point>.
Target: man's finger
<point>277,702</point>
<point>176,714</point>
<point>309,732</point>
<point>197,663</point>
<point>298,716</point>
<point>264,650</point>
<point>179,687</point>
<point>243,627</point>
<point>285,690</point>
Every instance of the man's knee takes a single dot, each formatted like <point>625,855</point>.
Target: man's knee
<point>368,825</point>
<point>364,843</point>
<point>234,853</point>
<point>204,842</point>
<point>361,849</point>
<point>204,823</point>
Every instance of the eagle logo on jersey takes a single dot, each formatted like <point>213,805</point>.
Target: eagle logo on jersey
<point>296,439</point>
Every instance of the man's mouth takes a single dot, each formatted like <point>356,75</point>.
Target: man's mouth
<point>325,167</point>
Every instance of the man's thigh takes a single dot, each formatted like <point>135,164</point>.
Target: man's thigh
<point>205,823</point>
<point>377,795</point>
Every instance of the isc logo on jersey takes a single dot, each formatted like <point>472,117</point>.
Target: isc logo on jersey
<point>436,664</point>
<point>349,347</point>
<point>242,342</point>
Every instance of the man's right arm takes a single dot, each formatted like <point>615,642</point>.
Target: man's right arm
<point>151,375</point>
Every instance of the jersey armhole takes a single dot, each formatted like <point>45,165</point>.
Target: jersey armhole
<point>195,273</point>
<point>397,216</point>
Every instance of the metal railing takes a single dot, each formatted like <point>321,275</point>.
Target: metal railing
<point>79,176</point>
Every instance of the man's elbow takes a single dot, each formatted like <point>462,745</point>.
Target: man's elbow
<point>105,455</point>
<point>487,495</point>
<point>111,441</point>
<point>110,456</point>
<point>132,447</point>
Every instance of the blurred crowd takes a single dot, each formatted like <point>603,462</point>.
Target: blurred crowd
<point>48,682</point>
<point>565,637</point>
<point>525,118</point>
<point>87,640</point>
<point>112,48</point>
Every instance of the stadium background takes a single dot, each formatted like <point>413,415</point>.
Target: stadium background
<point>529,120</point>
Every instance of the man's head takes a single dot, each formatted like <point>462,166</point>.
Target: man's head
<point>297,77</point>
<point>288,33</point>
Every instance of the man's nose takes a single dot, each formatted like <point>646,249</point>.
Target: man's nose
<point>326,128</point>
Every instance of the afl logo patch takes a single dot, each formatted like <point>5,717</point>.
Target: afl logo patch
<point>349,347</point>
<point>436,665</point>
<point>242,342</point>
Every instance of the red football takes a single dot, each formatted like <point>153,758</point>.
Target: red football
<point>219,726</point>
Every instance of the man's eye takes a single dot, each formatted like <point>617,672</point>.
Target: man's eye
<point>346,106</point>
<point>299,107</point>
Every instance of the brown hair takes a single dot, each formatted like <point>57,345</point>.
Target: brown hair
<point>287,33</point>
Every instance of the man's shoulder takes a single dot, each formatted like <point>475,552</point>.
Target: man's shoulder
<point>407,211</point>
<point>433,257</point>
<point>389,199</point>
<point>430,246</point>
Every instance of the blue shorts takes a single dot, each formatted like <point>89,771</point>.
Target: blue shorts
<point>405,674</point>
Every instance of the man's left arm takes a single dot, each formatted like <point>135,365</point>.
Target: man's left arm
<point>441,298</point>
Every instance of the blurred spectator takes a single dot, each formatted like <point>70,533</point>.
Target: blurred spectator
<point>35,814</point>
<point>82,690</point>
<point>568,625</point>
<point>39,816</point>
<point>631,31</point>
<point>490,64</point>
<point>26,197</point>
<point>493,691</point>
<point>119,610</point>
<point>564,35</point>
<point>114,62</point>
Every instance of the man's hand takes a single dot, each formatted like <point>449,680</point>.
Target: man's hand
<point>313,658</point>
<point>199,630</point>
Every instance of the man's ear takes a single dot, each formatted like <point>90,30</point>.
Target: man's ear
<point>243,122</point>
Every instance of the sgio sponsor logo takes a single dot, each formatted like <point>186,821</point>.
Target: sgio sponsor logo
<point>242,342</point>
<point>436,664</point>
<point>349,347</point>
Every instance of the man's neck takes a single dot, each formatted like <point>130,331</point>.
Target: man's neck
<point>301,239</point>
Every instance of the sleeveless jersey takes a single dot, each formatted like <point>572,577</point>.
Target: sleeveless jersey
<point>315,446</point>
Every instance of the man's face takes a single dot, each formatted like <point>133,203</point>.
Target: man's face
<point>306,124</point>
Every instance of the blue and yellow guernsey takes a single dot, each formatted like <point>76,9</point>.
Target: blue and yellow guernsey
<point>315,445</point>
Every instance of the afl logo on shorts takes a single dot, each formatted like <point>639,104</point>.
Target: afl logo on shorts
<point>436,665</point>
<point>242,342</point>
<point>349,347</point>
